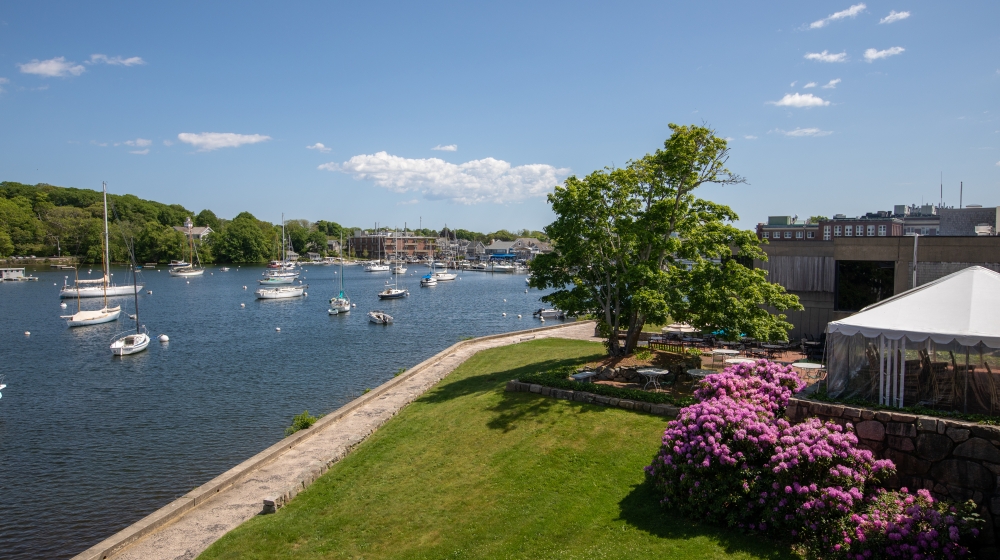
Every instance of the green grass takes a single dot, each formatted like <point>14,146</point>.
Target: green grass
<point>470,471</point>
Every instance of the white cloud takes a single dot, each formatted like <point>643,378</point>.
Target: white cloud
<point>407,202</point>
<point>804,132</point>
<point>872,54</point>
<point>793,83</point>
<point>208,141</point>
<point>448,148</point>
<point>481,180</point>
<point>750,137</point>
<point>2,82</point>
<point>809,85</point>
<point>894,16</point>
<point>853,11</point>
<point>52,68</point>
<point>998,164</point>
<point>168,143</point>
<point>140,152</point>
<point>318,147</point>
<point>115,61</point>
<point>139,142</point>
<point>827,56</point>
<point>832,84</point>
<point>800,100</point>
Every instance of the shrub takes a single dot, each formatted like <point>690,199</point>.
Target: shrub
<point>732,459</point>
<point>301,422</point>
<point>558,379</point>
<point>643,354</point>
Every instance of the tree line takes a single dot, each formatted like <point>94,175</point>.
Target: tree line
<point>46,220</point>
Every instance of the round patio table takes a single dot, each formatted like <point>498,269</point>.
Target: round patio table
<point>653,376</point>
<point>699,373</point>
<point>725,352</point>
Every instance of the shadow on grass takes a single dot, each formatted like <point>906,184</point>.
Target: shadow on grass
<point>476,384</point>
<point>641,509</point>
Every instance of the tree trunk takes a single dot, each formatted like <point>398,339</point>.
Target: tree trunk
<point>634,329</point>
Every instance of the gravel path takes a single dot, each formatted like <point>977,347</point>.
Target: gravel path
<point>295,468</point>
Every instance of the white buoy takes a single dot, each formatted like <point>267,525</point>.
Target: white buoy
<point>277,329</point>
<point>27,333</point>
<point>89,271</point>
<point>164,338</point>
<point>188,281</point>
<point>525,291</point>
<point>354,305</point>
<point>504,314</point>
<point>242,305</point>
<point>211,274</point>
<point>542,319</point>
<point>518,316</point>
<point>305,293</point>
<point>505,301</point>
<point>54,284</point>
<point>63,305</point>
<point>244,287</point>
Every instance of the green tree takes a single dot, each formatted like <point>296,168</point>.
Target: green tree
<point>634,244</point>
<point>207,218</point>
<point>6,245</point>
<point>817,219</point>
<point>243,240</point>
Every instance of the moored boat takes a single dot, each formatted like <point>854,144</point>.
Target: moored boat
<point>380,317</point>
<point>282,292</point>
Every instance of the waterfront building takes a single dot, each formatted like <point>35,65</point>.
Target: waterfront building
<point>383,244</point>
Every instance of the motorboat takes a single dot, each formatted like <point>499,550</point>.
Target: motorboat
<point>181,262</point>
<point>380,317</point>
<point>277,280</point>
<point>282,292</point>
<point>130,343</point>
<point>440,264</point>
<point>444,276</point>
<point>376,267</point>
<point>428,280</point>
<point>480,266</point>
<point>393,293</point>
<point>549,314</point>
<point>505,268</point>
<point>224,269</point>
<point>399,269</point>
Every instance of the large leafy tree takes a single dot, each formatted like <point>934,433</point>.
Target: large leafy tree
<point>634,244</point>
<point>242,240</point>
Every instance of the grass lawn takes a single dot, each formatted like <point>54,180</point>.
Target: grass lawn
<point>469,471</point>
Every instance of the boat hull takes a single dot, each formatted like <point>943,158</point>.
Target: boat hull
<point>186,273</point>
<point>280,293</point>
<point>379,318</point>
<point>339,306</point>
<point>98,291</point>
<point>276,281</point>
<point>130,344</point>
<point>95,317</point>
<point>393,294</point>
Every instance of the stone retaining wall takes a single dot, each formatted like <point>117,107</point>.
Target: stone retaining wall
<point>953,459</point>
<point>591,398</point>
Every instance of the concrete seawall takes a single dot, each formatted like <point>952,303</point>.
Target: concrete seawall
<point>266,481</point>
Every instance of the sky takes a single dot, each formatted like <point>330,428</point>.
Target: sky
<point>469,113</point>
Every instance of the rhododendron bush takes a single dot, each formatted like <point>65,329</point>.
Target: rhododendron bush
<point>733,459</point>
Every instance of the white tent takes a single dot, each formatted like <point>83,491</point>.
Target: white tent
<point>963,307</point>
<point>922,330</point>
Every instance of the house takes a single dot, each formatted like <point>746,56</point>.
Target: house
<point>526,248</point>
<point>500,248</point>
<point>197,232</point>
<point>475,250</point>
<point>314,257</point>
<point>332,245</point>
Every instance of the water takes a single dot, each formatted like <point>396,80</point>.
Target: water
<point>90,443</point>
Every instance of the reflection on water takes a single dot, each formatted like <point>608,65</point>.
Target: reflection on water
<point>90,443</point>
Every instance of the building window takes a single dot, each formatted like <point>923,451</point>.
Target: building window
<point>811,234</point>
<point>836,230</point>
<point>859,230</point>
<point>766,235</point>
<point>798,235</point>
<point>849,231</point>
<point>871,231</point>
<point>788,235</point>
<point>881,231</point>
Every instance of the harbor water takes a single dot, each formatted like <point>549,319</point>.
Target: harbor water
<point>90,443</point>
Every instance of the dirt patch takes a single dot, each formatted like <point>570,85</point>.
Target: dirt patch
<point>658,358</point>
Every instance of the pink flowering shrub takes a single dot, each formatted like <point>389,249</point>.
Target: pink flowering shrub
<point>733,459</point>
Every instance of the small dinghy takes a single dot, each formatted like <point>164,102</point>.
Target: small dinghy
<point>380,317</point>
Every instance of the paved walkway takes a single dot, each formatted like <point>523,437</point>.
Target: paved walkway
<point>295,468</point>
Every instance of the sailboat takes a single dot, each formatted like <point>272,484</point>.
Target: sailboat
<point>279,273</point>
<point>105,314</point>
<point>132,343</point>
<point>394,292</point>
<point>341,303</point>
<point>189,270</point>
<point>93,287</point>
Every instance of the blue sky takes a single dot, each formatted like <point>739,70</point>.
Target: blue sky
<point>513,96</point>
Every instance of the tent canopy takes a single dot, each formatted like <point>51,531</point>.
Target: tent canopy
<point>963,307</point>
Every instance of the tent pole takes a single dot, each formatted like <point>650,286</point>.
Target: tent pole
<point>965,403</point>
<point>881,369</point>
<point>902,372</point>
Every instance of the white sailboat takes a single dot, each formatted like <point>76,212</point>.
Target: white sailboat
<point>187,271</point>
<point>105,314</point>
<point>132,343</point>
<point>341,303</point>
<point>394,292</point>
<point>97,287</point>
<point>444,276</point>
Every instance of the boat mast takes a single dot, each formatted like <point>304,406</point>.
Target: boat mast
<point>135,293</point>
<point>341,264</point>
<point>106,265</point>
<point>284,258</point>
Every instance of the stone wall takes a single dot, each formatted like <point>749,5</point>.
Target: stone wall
<point>953,459</point>
<point>590,398</point>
